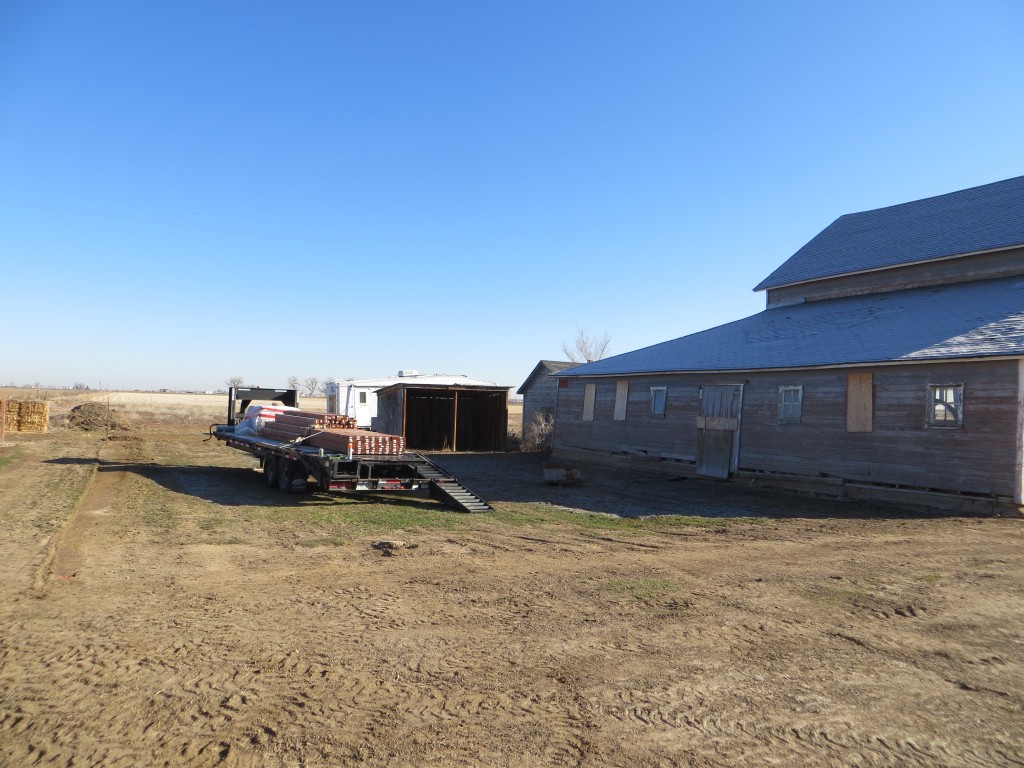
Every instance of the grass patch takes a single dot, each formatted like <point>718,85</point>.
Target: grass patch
<point>839,595</point>
<point>324,541</point>
<point>160,517</point>
<point>225,541</point>
<point>330,520</point>
<point>643,590</point>
<point>9,456</point>
<point>930,578</point>
<point>318,519</point>
<point>367,516</point>
<point>547,514</point>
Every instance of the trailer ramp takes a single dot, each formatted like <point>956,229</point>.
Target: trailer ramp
<point>447,489</point>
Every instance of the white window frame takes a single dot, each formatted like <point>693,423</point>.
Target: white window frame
<point>786,414</point>
<point>655,401</point>
<point>950,397</point>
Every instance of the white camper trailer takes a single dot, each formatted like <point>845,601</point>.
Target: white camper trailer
<point>358,398</point>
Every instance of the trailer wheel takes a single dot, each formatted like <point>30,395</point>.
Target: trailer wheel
<point>287,473</point>
<point>270,470</point>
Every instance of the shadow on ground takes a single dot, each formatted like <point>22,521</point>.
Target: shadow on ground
<point>517,478</point>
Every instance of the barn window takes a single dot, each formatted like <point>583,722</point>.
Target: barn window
<point>621,395</point>
<point>946,405</point>
<point>589,395</point>
<point>790,404</point>
<point>658,401</point>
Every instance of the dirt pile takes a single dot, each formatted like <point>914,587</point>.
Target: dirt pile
<point>96,417</point>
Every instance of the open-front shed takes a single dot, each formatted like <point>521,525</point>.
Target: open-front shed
<point>444,417</point>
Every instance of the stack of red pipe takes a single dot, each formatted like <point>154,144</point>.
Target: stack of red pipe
<point>332,432</point>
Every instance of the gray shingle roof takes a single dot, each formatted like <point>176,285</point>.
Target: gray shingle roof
<point>978,319</point>
<point>968,221</point>
<point>545,367</point>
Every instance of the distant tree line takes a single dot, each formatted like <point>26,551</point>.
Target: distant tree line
<point>309,387</point>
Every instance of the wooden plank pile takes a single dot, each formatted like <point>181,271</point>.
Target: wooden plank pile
<point>312,420</point>
<point>332,432</point>
<point>27,416</point>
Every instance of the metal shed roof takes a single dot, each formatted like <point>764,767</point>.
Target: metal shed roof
<point>979,319</point>
<point>432,379</point>
<point>982,218</point>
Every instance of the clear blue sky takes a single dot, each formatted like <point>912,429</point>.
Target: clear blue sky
<point>191,191</point>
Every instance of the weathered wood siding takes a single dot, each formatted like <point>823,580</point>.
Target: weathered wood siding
<point>538,397</point>
<point>982,266</point>
<point>900,449</point>
<point>675,432</point>
<point>390,413</point>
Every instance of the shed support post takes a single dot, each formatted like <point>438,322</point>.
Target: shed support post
<point>455,423</point>
<point>405,407</point>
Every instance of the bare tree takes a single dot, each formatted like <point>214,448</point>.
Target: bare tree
<point>312,385</point>
<point>586,348</point>
<point>537,434</point>
<point>293,382</point>
<point>235,381</point>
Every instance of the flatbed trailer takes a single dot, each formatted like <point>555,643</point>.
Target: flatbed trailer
<point>289,466</point>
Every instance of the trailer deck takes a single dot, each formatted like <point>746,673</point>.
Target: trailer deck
<point>289,465</point>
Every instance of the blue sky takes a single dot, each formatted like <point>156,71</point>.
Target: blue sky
<point>191,191</point>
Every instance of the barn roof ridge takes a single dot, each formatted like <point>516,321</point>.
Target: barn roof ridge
<point>982,218</point>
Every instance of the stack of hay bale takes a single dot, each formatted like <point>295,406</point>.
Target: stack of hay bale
<point>27,416</point>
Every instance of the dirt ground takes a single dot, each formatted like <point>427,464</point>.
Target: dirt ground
<point>159,606</point>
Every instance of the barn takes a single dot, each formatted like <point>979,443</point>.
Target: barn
<point>539,393</point>
<point>888,364</point>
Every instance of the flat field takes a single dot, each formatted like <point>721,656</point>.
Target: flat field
<point>159,606</point>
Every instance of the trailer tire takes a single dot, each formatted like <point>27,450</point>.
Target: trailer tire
<point>288,472</point>
<point>271,470</point>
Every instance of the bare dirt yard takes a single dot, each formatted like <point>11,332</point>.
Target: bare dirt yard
<point>159,606</point>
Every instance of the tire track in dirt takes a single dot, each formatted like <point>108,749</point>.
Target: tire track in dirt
<point>523,647</point>
<point>38,497</point>
<point>700,704</point>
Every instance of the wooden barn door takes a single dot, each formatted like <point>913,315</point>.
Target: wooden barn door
<point>718,429</point>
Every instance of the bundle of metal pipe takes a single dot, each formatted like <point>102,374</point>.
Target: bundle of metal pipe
<point>338,440</point>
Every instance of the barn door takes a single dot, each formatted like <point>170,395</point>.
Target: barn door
<point>718,429</point>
